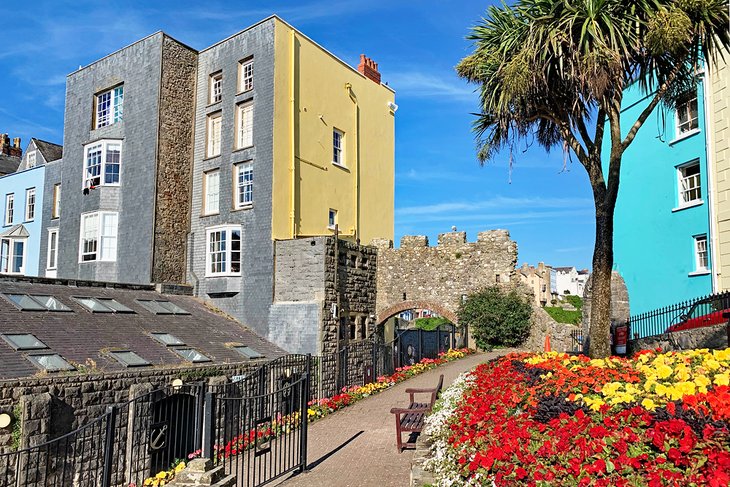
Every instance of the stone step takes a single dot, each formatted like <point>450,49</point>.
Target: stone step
<point>229,481</point>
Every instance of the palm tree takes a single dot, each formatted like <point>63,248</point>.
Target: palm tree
<point>554,71</point>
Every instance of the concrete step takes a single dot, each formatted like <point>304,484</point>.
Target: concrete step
<point>229,481</point>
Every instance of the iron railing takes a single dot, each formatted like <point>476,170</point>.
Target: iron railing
<point>693,313</point>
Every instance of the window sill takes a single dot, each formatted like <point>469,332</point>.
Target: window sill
<point>247,206</point>
<point>210,214</point>
<point>208,158</point>
<point>28,221</point>
<point>685,135</point>
<point>688,205</point>
<point>244,92</point>
<point>226,274</point>
<point>331,228</point>
<point>341,166</point>
<point>212,104</point>
<point>243,148</point>
<point>703,272</point>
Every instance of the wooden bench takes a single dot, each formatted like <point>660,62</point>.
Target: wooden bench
<point>410,419</point>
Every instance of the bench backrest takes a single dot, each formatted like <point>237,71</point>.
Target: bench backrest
<point>437,391</point>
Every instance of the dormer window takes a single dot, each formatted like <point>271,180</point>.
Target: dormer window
<point>31,159</point>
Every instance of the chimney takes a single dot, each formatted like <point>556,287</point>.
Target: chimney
<point>9,149</point>
<point>369,68</point>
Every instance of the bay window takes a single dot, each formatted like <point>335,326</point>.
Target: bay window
<point>102,164</point>
<point>223,256</point>
<point>12,255</point>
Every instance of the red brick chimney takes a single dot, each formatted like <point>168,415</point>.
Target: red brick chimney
<point>369,68</point>
<point>6,148</point>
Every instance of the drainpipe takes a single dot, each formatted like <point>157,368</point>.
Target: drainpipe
<point>292,128</point>
<point>356,168</point>
<point>712,237</point>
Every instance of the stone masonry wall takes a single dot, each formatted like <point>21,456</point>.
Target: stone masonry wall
<point>174,161</point>
<point>79,398</point>
<point>705,337</point>
<point>619,304</point>
<point>440,275</point>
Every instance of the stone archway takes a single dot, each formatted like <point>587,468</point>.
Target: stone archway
<point>393,310</point>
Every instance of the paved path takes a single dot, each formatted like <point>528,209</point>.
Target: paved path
<point>356,446</point>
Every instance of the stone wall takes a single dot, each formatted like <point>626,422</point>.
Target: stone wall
<point>619,303</point>
<point>174,161</point>
<point>542,325</point>
<point>439,276</point>
<point>79,398</point>
<point>705,337</point>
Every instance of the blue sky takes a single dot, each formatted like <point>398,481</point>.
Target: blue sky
<point>439,183</point>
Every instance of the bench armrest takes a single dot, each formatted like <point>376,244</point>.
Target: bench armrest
<point>407,410</point>
<point>413,391</point>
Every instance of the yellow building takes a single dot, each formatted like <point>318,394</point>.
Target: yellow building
<point>334,143</point>
<point>717,105</point>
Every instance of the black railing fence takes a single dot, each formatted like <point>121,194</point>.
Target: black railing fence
<point>256,425</point>
<point>701,311</point>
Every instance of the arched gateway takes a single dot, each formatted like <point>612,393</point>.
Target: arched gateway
<point>438,278</point>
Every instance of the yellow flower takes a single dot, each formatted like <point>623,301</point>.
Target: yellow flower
<point>722,379</point>
<point>664,371</point>
<point>180,466</point>
<point>648,404</point>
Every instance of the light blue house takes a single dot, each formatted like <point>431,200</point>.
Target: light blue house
<point>21,211</point>
<point>662,221</point>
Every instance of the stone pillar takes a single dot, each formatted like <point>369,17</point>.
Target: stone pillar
<point>140,413</point>
<point>35,419</point>
<point>619,304</point>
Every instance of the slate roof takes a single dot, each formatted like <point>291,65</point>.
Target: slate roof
<point>564,269</point>
<point>80,334</point>
<point>8,164</point>
<point>51,152</point>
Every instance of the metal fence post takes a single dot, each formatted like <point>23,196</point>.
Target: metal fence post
<point>111,424</point>
<point>209,425</point>
<point>199,408</point>
<point>304,418</point>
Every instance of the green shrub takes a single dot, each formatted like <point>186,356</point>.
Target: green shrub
<point>496,318</point>
<point>576,301</point>
<point>430,324</point>
<point>563,315</point>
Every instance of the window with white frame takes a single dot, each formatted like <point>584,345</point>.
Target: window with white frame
<point>213,146</point>
<point>211,192</point>
<point>9,208</point>
<point>687,113</point>
<point>332,219</point>
<point>56,205</point>
<point>31,159</point>
<point>102,166</point>
<point>690,186</point>
<point>52,257</point>
<point>223,257</point>
<point>244,184</point>
<point>338,146</point>
<point>30,204</point>
<point>244,131</point>
<point>108,107</point>
<point>701,255</point>
<point>215,83</point>
<point>98,239</point>
<point>12,255</point>
<point>245,75</point>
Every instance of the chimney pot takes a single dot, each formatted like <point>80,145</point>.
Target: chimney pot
<point>369,68</point>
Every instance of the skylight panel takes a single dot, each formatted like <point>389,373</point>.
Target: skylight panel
<point>162,307</point>
<point>25,302</point>
<point>50,362</point>
<point>247,352</point>
<point>115,305</point>
<point>129,358</point>
<point>172,307</point>
<point>191,355</point>
<point>23,341</point>
<point>93,305</point>
<point>167,339</point>
<point>50,303</point>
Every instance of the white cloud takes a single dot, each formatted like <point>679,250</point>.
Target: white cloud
<point>497,202</point>
<point>417,84</point>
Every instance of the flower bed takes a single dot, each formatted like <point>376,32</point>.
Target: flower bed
<point>552,419</point>
<point>316,409</point>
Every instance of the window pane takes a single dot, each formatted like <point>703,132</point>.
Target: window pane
<point>51,303</point>
<point>50,362</point>
<point>109,236</point>
<point>93,305</point>
<point>52,249</point>
<point>129,359</point>
<point>247,76</point>
<point>172,307</point>
<point>167,339</point>
<point>214,135</point>
<point>235,250</point>
<point>245,184</point>
<point>154,307</point>
<point>24,341</point>
<point>103,108</point>
<point>216,88</point>
<point>56,211</point>
<point>18,256</point>
<point>191,355</point>
<point>112,165</point>
<point>30,204</point>
<point>118,103</point>
<point>89,236</point>
<point>248,352</point>
<point>25,302</point>
<point>92,172</point>
<point>4,255</point>
<point>114,305</point>
<point>245,129</point>
<point>212,192</point>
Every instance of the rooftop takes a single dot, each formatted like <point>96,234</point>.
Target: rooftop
<point>49,325</point>
<point>51,152</point>
<point>8,164</point>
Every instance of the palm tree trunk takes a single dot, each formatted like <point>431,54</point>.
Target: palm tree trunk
<point>599,345</point>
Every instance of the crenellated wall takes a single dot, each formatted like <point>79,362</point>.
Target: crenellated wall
<point>436,277</point>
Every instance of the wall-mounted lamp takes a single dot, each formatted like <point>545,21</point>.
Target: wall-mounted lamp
<point>392,106</point>
<point>5,420</point>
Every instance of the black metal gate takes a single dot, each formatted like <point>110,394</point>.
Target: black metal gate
<point>259,438</point>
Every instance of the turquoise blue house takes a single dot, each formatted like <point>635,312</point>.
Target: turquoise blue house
<point>662,220</point>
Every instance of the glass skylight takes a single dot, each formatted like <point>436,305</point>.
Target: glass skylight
<point>115,305</point>
<point>51,303</point>
<point>25,302</point>
<point>129,359</point>
<point>247,352</point>
<point>167,339</point>
<point>50,362</point>
<point>162,307</point>
<point>23,341</point>
<point>93,305</point>
<point>191,355</point>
